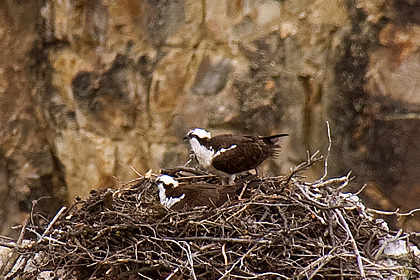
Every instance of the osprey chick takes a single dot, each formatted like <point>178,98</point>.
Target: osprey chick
<point>178,196</point>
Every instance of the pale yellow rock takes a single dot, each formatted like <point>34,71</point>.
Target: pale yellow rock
<point>90,161</point>
<point>167,85</point>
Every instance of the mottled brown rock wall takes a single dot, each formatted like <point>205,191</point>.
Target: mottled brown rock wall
<point>28,166</point>
<point>378,112</point>
<point>90,88</point>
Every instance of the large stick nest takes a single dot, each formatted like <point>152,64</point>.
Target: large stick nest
<point>278,228</point>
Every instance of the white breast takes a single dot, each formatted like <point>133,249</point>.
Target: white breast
<point>167,201</point>
<point>162,193</point>
<point>204,155</point>
<point>172,200</point>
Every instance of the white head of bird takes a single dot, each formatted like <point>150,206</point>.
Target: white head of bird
<point>164,183</point>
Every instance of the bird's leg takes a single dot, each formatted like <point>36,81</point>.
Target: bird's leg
<point>232,179</point>
<point>191,157</point>
<point>258,172</point>
<point>188,162</point>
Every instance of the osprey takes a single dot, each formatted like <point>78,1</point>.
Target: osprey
<point>177,196</point>
<point>227,154</point>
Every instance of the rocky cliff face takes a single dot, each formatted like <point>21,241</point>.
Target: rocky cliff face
<point>90,88</point>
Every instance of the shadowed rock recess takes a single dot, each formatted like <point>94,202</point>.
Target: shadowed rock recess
<point>89,89</point>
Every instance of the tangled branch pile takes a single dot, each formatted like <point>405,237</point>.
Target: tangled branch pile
<point>278,228</point>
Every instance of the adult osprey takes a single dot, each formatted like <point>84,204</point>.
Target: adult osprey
<point>227,154</point>
<point>178,196</point>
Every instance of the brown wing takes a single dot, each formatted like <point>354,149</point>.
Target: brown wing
<point>245,156</point>
<point>227,140</point>
<point>228,192</point>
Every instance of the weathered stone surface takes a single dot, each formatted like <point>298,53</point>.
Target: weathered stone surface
<point>90,88</point>
<point>28,167</point>
<point>394,67</point>
<point>105,103</point>
<point>211,76</point>
<point>167,85</point>
<point>393,82</point>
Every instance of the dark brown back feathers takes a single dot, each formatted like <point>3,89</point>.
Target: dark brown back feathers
<point>250,151</point>
<point>202,194</point>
